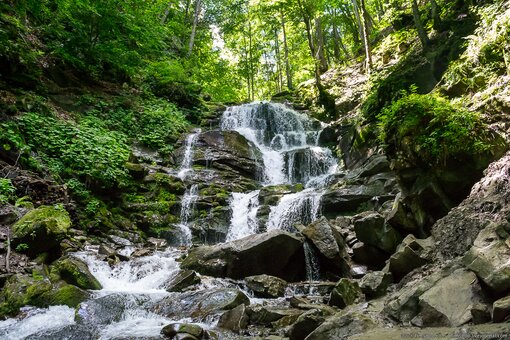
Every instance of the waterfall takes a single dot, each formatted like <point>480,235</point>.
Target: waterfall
<point>244,215</point>
<point>288,142</point>
<point>187,161</point>
<point>191,195</point>
<point>187,206</point>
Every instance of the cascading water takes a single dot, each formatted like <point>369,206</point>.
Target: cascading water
<point>244,215</point>
<point>191,195</point>
<point>288,142</point>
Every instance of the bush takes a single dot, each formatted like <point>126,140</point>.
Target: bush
<point>431,128</point>
<point>6,190</point>
<point>93,154</point>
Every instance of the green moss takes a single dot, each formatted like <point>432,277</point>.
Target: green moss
<point>54,219</point>
<point>75,272</point>
<point>68,295</point>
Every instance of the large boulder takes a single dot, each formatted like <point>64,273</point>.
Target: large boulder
<point>266,286</point>
<point>375,284</point>
<point>219,149</point>
<point>183,280</point>
<point>489,257</point>
<point>501,309</point>
<point>450,301</point>
<point>330,245</point>
<point>74,271</point>
<point>352,198</point>
<point>305,324</point>
<point>343,326</point>
<point>265,315</point>
<point>345,293</point>
<point>235,319</point>
<point>202,303</point>
<point>372,229</point>
<point>184,331</point>
<point>411,253</point>
<point>276,253</point>
<point>41,229</point>
<point>488,201</point>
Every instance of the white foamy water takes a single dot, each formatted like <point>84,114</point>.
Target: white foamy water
<point>244,215</point>
<point>139,275</point>
<point>136,323</point>
<point>187,161</point>
<point>37,320</point>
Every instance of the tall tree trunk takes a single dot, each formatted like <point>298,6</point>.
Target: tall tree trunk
<point>308,26</point>
<point>366,39</point>
<point>279,75</point>
<point>198,5</point>
<point>286,50</point>
<point>358,20</point>
<point>320,53</point>
<point>419,26</point>
<point>252,70</point>
<point>186,16</point>
<point>436,19</point>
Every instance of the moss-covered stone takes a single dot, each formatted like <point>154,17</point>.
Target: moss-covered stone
<point>75,272</point>
<point>68,295</point>
<point>41,229</point>
<point>21,290</point>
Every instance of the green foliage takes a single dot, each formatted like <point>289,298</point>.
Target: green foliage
<point>22,247</point>
<point>431,129</point>
<point>91,153</point>
<point>7,190</point>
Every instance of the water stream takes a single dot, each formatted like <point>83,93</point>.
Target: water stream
<point>287,141</point>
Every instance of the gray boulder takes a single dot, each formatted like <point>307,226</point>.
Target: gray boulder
<point>375,284</point>
<point>183,280</point>
<point>343,326</point>
<point>266,286</point>
<point>345,293</point>
<point>276,253</point>
<point>411,253</point>
<point>489,258</point>
<point>372,229</point>
<point>235,319</point>
<point>501,309</point>
<point>305,324</point>
<point>330,245</point>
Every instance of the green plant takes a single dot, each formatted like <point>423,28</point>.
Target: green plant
<point>22,247</point>
<point>431,129</point>
<point>7,190</point>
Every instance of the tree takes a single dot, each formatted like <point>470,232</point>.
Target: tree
<point>419,26</point>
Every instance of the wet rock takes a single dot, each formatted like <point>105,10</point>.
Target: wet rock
<point>305,324</point>
<point>400,216</point>
<point>342,326</point>
<point>501,309</point>
<point>9,214</point>
<point>375,284</point>
<point>449,302</point>
<point>68,332</point>
<point>351,198</point>
<point>137,171</point>
<point>266,286</point>
<point>75,272</point>
<point>480,313</point>
<point>321,288</point>
<point>142,252</point>
<point>276,253</point>
<point>329,244</point>
<point>411,253</point>
<point>265,315</point>
<point>368,255</point>
<point>183,280</point>
<point>345,293</point>
<point>41,229</point>
<point>184,331</point>
<point>235,319</point>
<point>271,194</point>
<point>201,303</point>
<point>157,243</point>
<point>372,229</point>
<point>101,311</point>
<point>489,259</point>
<point>219,149</point>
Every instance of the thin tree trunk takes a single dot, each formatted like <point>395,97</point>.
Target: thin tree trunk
<point>336,42</point>
<point>165,15</point>
<point>320,54</point>
<point>286,50</point>
<point>419,26</point>
<point>358,20</point>
<point>194,28</point>
<point>252,72</point>
<point>366,40</point>
<point>278,61</point>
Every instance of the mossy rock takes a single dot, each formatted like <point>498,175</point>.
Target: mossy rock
<point>41,229</point>
<point>75,272</point>
<point>21,290</point>
<point>68,295</point>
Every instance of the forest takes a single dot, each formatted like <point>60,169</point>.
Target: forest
<point>266,169</point>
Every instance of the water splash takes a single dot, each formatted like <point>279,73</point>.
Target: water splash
<point>187,161</point>
<point>188,201</point>
<point>244,215</point>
